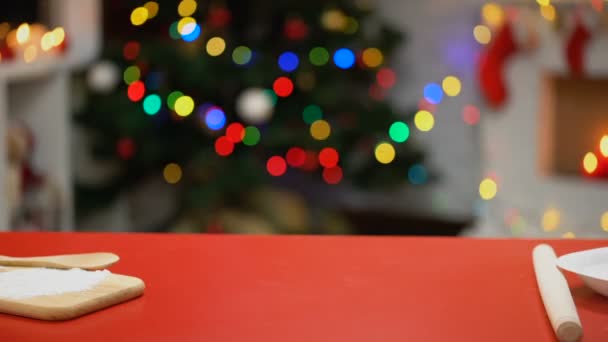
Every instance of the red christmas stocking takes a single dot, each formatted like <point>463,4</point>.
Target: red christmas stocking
<point>575,48</point>
<point>491,66</point>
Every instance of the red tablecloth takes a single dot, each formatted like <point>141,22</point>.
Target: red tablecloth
<point>276,289</point>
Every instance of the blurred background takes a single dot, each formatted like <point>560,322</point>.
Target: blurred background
<point>472,118</point>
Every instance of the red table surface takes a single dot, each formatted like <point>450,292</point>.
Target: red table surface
<point>296,288</point>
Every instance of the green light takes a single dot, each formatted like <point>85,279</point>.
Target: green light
<point>241,55</point>
<point>318,56</point>
<point>152,104</point>
<point>399,131</point>
<point>131,74</point>
<point>173,97</point>
<point>252,136</point>
<point>312,113</point>
<point>173,31</point>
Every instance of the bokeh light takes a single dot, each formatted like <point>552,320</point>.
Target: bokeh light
<point>30,53</point>
<point>312,113</point>
<point>136,91</point>
<point>288,61</point>
<point>544,2</point>
<point>551,219</point>
<point>152,7</point>
<point>482,34</point>
<point>215,46</point>
<point>306,80</point>
<point>451,86</point>
<point>320,130</point>
<point>172,173</point>
<point>23,33</point>
<point>276,166</point>
<point>417,174</point>
<point>125,148</point>
<point>295,156</point>
<point>492,14</point>
<point>399,131</point>
<point>386,78</point>
<point>352,25</point>
<point>173,31</point>
<point>332,175</point>
<point>590,162</point>
<point>282,86</point>
<point>186,25</point>
<point>548,12</point>
<point>604,221</point>
<point>172,97</point>
<point>184,105</point>
<point>423,104</point>
<point>488,189</point>
<point>215,118</point>
<point>318,56</point>
<point>252,136</point>
<point>224,146</point>
<point>131,50</point>
<point>384,152</point>
<point>334,20</point>
<point>344,58</point>
<point>131,74</point>
<point>235,132</point>
<point>328,157</point>
<point>152,104</point>
<point>604,146</point>
<point>424,120</point>
<point>372,57</point>
<point>569,235</point>
<point>470,115</point>
<point>311,163</point>
<point>139,16</point>
<point>186,8</point>
<point>433,93</point>
<point>241,55</point>
<point>193,35</point>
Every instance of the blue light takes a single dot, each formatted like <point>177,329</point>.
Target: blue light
<point>417,174</point>
<point>192,36</point>
<point>433,93</point>
<point>215,119</point>
<point>288,61</point>
<point>153,80</point>
<point>344,58</point>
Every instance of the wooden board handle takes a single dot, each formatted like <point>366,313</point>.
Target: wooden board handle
<point>556,295</point>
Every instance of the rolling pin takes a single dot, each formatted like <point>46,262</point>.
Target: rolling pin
<point>556,295</point>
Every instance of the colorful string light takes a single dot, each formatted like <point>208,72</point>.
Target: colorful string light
<point>136,91</point>
<point>417,174</point>
<point>328,157</point>
<point>215,46</point>
<point>235,132</point>
<point>320,130</point>
<point>312,113</point>
<point>139,16</point>
<point>488,189</point>
<point>470,115</point>
<point>372,57</point>
<point>318,56</point>
<point>131,50</point>
<point>424,121</point>
<point>344,58</point>
<point>282,86</point>
<point>184,105</point>
<point>288,61</point>
<point>152,104</point>
<point>252,136</point>
<point>451,86</point>
<point>172,173</point>
<point>215,118</point>
<point>384,153</point>
<point>131,74</point>
<point>186,8</point>
<point>172,97</point>
<point>399,132</point>
<point>332,175</point>
<point>241,55</point>
<point>433,93</point>
<point>276,166</point>
<point>295,157</point>
<point>224,146</point>
<point>386,78</point>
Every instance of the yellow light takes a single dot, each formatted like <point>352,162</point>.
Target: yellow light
<point>385,153</point>
<point>424,121</point>
<point>488,189</point>
<point>23,33</point>
<point>216,46</point>
<point>186,8</point>
<point>184,105</point>
<point>548,12</point>
<point>590,162</point>
<point>47,41</point>
<point>551,220</point>
<point>186,25</point>
<point>544,2</point>
<point>492,14</point>
<point>4,28</point>
<point>482,34</point>
<point>568,235</point>
<point>58,35</point>
<point>372,57</point>
<point>451,86</point>
<point>320,130</point>
<point>306,80</point>
<point>139,16</point>
<point>152,7</point>
<point>172,173</point>
<point>352,25</point>
<point>604,145</point>
<point>604,221</point>
<point>334,20</point>
<point>30,53</point>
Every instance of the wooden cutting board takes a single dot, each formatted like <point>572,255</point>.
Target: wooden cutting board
<point>114,289</point>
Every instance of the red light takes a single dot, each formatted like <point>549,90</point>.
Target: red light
<point>386,78</point>
<point>125,148</point>
<point>332,175</point>
<point>282,86</point>
<point>223,146</point>
<point>131,50</point>
<point>295,29</point>
<point>276,166</point>
<point>376,92</point>
<point>423,104</point>
<point>136,91</point>
<point>235,132</point>
<point>311,162</point>
<point>296,157</point>
<point>470,115</point>
<point>219,17</point>
<point>328,157</point>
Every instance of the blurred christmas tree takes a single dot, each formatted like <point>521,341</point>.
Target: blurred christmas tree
<point>221,97</point>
